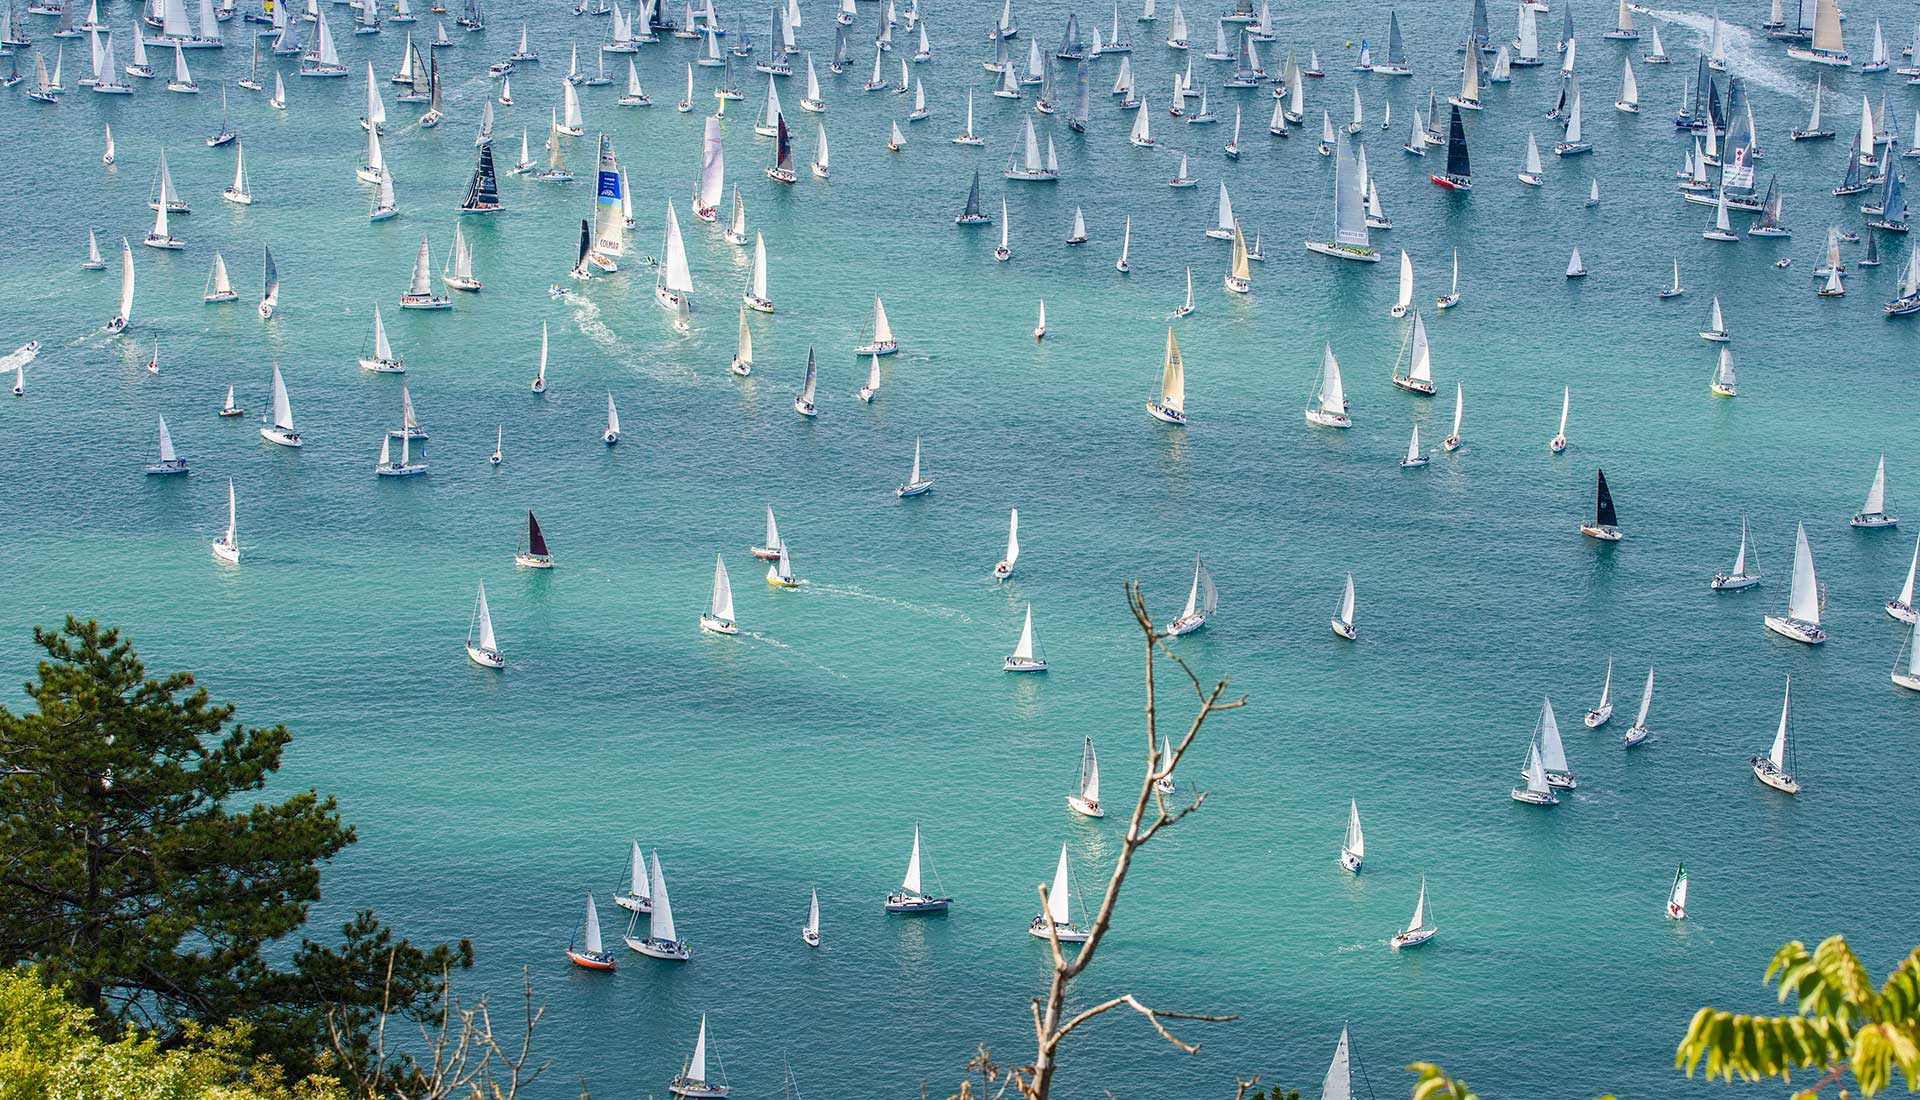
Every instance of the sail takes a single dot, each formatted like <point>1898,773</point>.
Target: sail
<point>882,332</point>
<point>1826,27</point>
<point>1013,540</point>
<point>1355,841</point>
<point>1646,700</point>
<point>166,442</point>
<point>661,927</point>
<point>1333,398</point>
<point>1778,753</point>
<point>910,883</point>
<point>613,416</point>
<point>712,167</point>
<point>1553,755</point>
<point>220,283</point>
<point>421,284</point>
<point>483,188</point>
<point>1338,1084</point>
<point>282,408</point>
<point>1803,603</point>
<point>483,622</point>
<point>1458,165</point>
<point>570,111</point>
<point>757,285</point>
<point>1349,198</point>
<point>674,275</point>
<point>1405,297</point>
<point>1877,493</point>
<point>1173,377</point>
<point>593,944</point>
<point>1024,650</point>
<point>126,280</point>
<point>1603,512</point>
<point>1420,361</point>
<point>1089,773</point>
<point>721,606</point>
<point>609,218</point>
<point>1060,897</point>
<point>1420,907</point>
<point>1536,771</point>
<point>1677,895</point>
<point>1346,616</point>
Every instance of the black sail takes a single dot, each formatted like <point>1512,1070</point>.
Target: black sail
<point>483,190</point>
<point>586,244</point>
<point>536,542</point>
<point>1457,165</point>
<point>1603,513</point>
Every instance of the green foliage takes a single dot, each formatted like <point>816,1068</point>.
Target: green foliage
<point>1434,1084</point>
<point>141,873</point>
<point>49,1048</point>
<point>1841,1024</point>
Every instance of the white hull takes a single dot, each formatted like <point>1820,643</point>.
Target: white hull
<point>1803,632</point>
<point>486,658</point>
<point>281,436</point>
<point>1598,716</point>
<point>1084,808</point>
<point>669,950</point>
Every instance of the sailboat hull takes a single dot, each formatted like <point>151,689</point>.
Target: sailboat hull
<point>1803,632</point>
<point>1414,938</point>
<point>1084,808</point>
<point>1065,933</point>
<point>1352,634</point>
<point>1727,583</point>
<point>1598,716</point>
<point>226,551</point>
<point>914,489</point>
<point>283,436</point>
<point>587,960</point>
<point>713,625</point>
<point>1185,624</point>
<point>1342,252</point>
<point>1027,664</point>
<point>1765,772</point>
<point>1873,520</point>
<point>669,950</point>
<point>1605,532</point>
<point>1328,419</point>
<point>913,903</point>
<point>1350,861</point>
<point>1534,798</point>
<point>1634,736</point>
<point>486,658</point>
<point>533,561</point>
<point>1163,413</point>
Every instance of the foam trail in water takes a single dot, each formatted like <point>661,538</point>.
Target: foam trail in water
<point>1749,56</point>
<point>948,613</point>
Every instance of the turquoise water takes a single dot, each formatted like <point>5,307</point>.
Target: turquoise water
<point>800,755</point>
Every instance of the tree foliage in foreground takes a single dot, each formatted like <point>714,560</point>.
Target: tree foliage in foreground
<point>141,872</point>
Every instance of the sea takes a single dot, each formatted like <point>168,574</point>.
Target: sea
<point>800,755</point>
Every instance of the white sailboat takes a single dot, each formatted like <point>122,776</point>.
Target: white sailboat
<point>1353,847</point>
<point>883,342</point>
<point>803,401</point>
<point>170,462</point>
<point>540,377</point>
<point>912,896</point>
<point>1553,752</point>
<point>636,897</point>
<point>1874,512</point>
<point>380,359</point>
<point>1776,768</point>
<point>916,483</point>
<point>1342,621</point>
<point>1452,442</point>
<point>1025,657</point>
<point>1537,792</point>
<point>1421,928</point>
<point>280,428</point>
<point>482,649</point>
<point>1328,406</point>
<point>592,955</point>
<point>673,286</point>
<point>1558,443</point>
<point>219,287</point>
<point>1744,573</point>
<point>611,434</point>
<point>1637,732</point>
<point>1404,298</point>
<point>1531,175</point>
<point>1084,799</point>
<point>1202,601</point>
<point>663,942</point>
<point>1452,297</point>
<point>1418,377</point>
<point>1901,606</point>
<point>810,932</point>
<point>123,320</point>
<point>718,617</point>
<point>755,295</point>
<point>1802,619</point>
<point>458,273</point>
<point>1602,710</point>
<point>1677,892</point>
<point>1415,457</point>
<point>419,293</point>
<point>1056,920</point>
<point>1003,568</point>
<point>1716,330</point>
<point>226,545</point>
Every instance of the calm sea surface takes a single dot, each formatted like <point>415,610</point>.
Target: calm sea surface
<point>799,755</point>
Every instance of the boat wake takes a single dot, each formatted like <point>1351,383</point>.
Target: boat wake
<point>1749,56</point>
<point>759,637</point>
<point>1350,948</point>
<point>21,356</point>
<point>586,315</point>
<point>948,613</point>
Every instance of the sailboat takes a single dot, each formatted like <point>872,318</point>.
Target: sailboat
<point>419,293</point>
<point>1421,928</point>
<point>1801,622</point>
<point>1776,768</point>
<point>916,484</point>
<point>611,434</point>
<point>673,286</point>
<point>635,898</point>
<point>1873,513</point>
<point>1328,406</point>
<point>1003,568</point>
<point>280,428</point>
<point>1606,522</point>
<point>381,359</point>
<point>718,617</point>
<point>822,167</point>
<point>1126,242</point>
<point>1452,297</point>
<point>755,296</point>
<point>122,320</point>
<point>482,649</point>
<point>219,288</point>
<point>1637,732</point>
<point>1716,330</point>
<point>1170,405</point>
<point>1558,443</point>
<point>94,261</point>
<point>1827,46</point>
<point>1039,328</point>
<point>1537,792</point>
<point>226,545</point>
<point>1629,100</point>
<point>803,401</point>
<point>1677,895</point>
<point>1056,921</point>
<point>967,136</point>
<point>911,897</point>
<point>458,272</point>
<point>1342,621</point>
<point>1901,606</point>
<point>239,192</point>
<point>736,231</point>
<point>663,942</point>
<point>883,342</point>
<point>228,408</point>
<point>533,553</point>
<point>182,79</point>
<point>1458,175</point>
<point>1415,457</point>
<point>1552,751</point>
<point>1349,240</point>
<point>169,463</point>
<point>1023,658</point>
<point>1353,847</point>
<point>1674,289</point>
<point>1202,601</point>
<point>1085,797</point>
<point>540,377</point>
<point>1743,574</point>
<point>1659,54</point>
<point>1418,359</point>
<point>810,932</point>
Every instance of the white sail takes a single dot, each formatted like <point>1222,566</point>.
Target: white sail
<point>1646,701</point>
<point>674,275</point>
<point>126,280</point>
<point>613,417</point>
<point>421,283</point>
<point>1333,398</point>
<point>1877,493</point>
<point>593,944</point>
<point>661,927</point>
<point>1804,601</point>
<point>1024,650</point>
<point>1420,361</point>
<point>1013,543</point>
<point>1405,297</point>
<point>713,167</point>
<point>1778,753</point>
<point>166,443</point>
<point>721,604</point>
<point>1553,754</point>
<point>282,408</point>
<point>1338,1084</point>
<point>1090,774</point>
<point>1173,377</point>
<point>1060,897</point>
<point>483,623</point>
<point>1356,841</point>
<point>910,883</point>
<point>757,284</point>
<point>1346,608</point>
